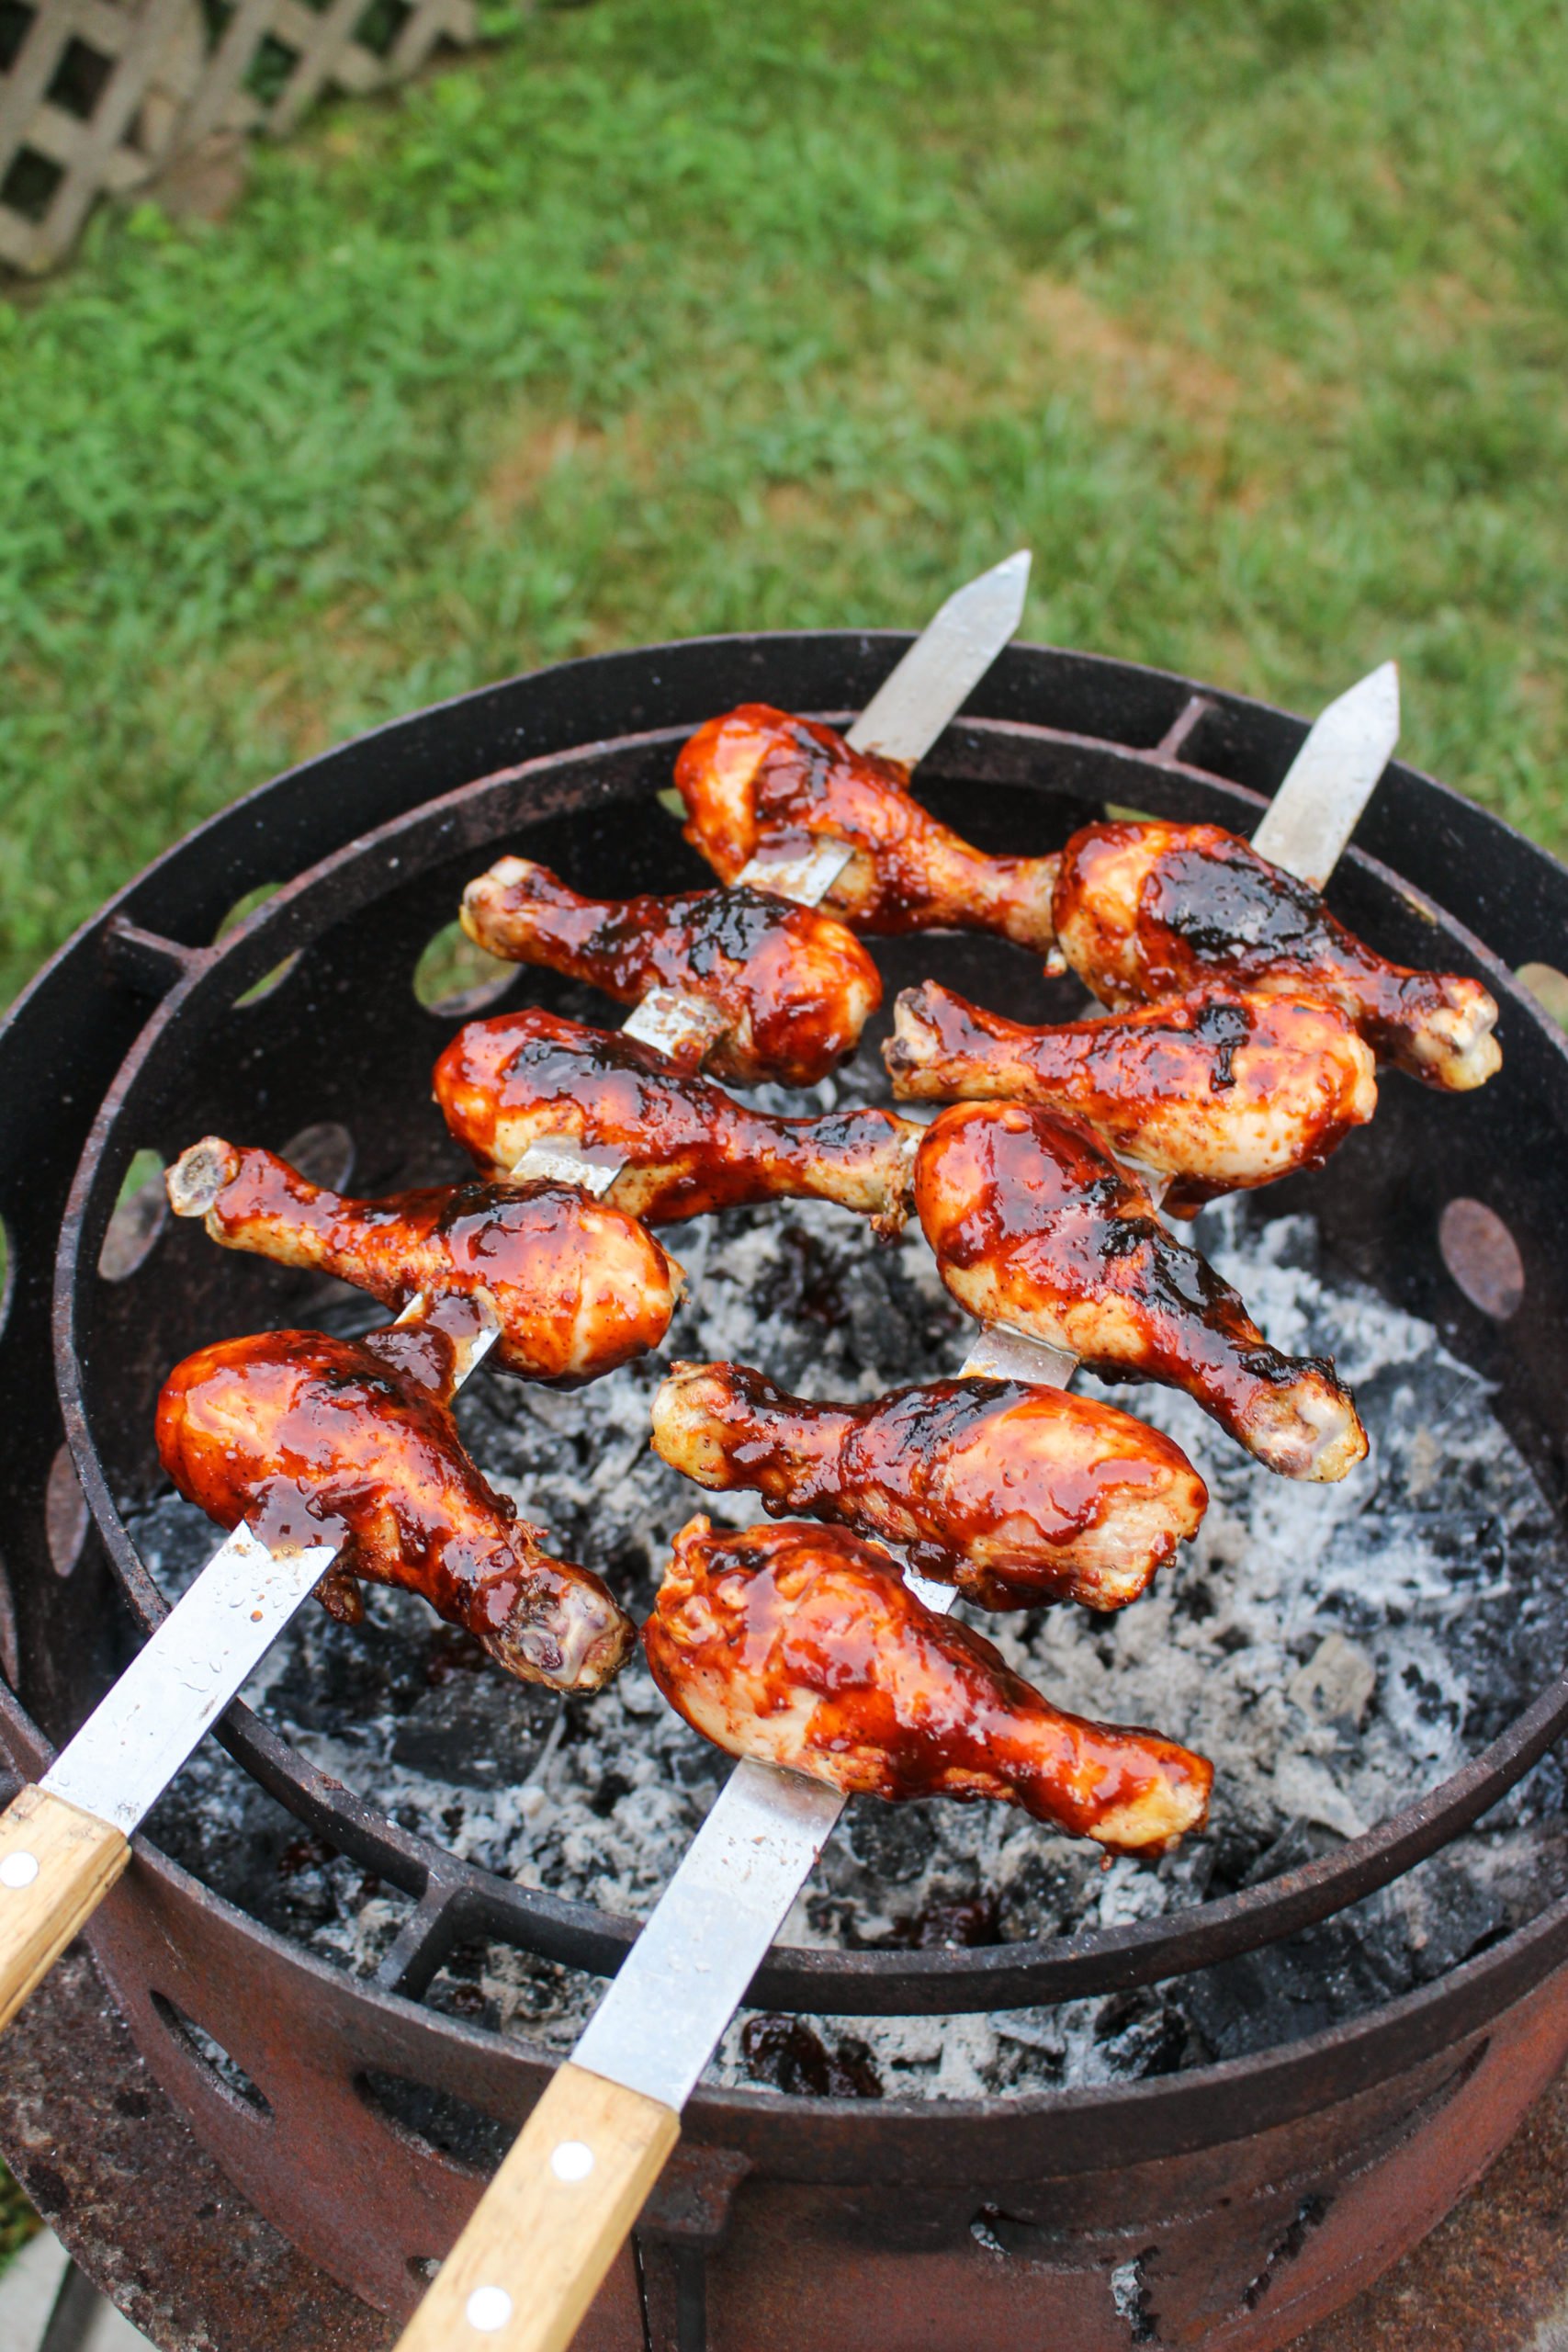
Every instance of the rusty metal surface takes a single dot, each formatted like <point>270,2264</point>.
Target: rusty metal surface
<point>1493,2276</point>
<point>81,2116</point>
<point>1247,2199</point>
<point>115,2171</point>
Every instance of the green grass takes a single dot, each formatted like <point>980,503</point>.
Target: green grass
<point>1251,316</point>
<point>18,2222</point>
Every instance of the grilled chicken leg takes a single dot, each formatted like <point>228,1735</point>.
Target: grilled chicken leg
<point>1015,1494</point>
<point>759,780</point>
<point>1035,1229</point>
<point>1227,1091</point>
<point>783,991</point>
<point>801,1645</point>
<point>578,1288</point>
<point>313,1440</point>
<point>682,1147</point>
<point>1145,911</point>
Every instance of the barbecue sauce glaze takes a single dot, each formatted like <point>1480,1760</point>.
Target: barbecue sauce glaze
<point>317,1440</point>
<point>785,991</point>
<point>1220,1092</point>
<point>1018,1495</point>
<point>803,1645</point>
<point>1148,910</point>
<point>577,1287</point>
<point>684,1147</point>
<point>1034,1228</point>
<point>757,780</point>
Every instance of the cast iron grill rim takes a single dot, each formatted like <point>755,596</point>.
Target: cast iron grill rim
<point>456,1900</point>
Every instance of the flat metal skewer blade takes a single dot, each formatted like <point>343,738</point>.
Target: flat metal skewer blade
<point>685,1976</point>
<point>179,1683</point>
<point>1312,817</point>
<point>944,665</point>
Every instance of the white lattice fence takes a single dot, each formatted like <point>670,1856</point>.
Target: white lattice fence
<point>98,95</point>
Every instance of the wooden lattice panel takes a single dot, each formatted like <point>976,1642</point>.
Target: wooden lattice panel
<point>98,96</point>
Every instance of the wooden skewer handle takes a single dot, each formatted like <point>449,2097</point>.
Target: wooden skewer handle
<point>551,2224</point>
<point>57,1864</point>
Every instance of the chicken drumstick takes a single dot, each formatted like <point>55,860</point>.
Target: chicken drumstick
<point>313,1439</point>
<point>1149,910</point>
<point>759,780</point>
<point>578,1288</point>
<point>1015,1494</point>
<point>783,992</point>
<point>682,1147</point>
<point>803,1647</point>
<point>1221,1093</point>
<point>1034,1228</point>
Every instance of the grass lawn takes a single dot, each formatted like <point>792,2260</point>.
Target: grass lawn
<point>1251,316</point>
<point>18,2222</point>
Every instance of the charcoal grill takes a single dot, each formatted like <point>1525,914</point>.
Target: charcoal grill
<point>1230,2205</point>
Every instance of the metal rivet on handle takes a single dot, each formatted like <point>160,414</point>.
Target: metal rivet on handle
<point>574,2160</point>
<point>19,1870</point>
<point>487,2310</point>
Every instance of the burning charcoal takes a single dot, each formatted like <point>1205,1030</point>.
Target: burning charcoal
<point>1336,1685</point>
<point>1140,2035</point>
<point>1045,1894</point>
<point>458,1989</point>
<point>1300,1842</point>
<point>306,1853</point>
<point>882,1335</point>
<point>1286,1991</point>
<point>894,1842</point>
<point>953,1925</point>
<point>475,1731</point>
<point>1432,1920</point>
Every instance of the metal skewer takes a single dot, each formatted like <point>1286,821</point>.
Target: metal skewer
<point>531,2258</point>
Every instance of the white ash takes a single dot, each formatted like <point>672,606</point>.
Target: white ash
<point>1337,1650</point>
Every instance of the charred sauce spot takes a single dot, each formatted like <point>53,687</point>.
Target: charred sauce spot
<point>1223,1027</point>
<point>784,2051</point>
<point>1223,899</point>
<point>963,1923</point>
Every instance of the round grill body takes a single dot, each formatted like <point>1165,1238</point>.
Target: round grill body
<point>1228,2205</point>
